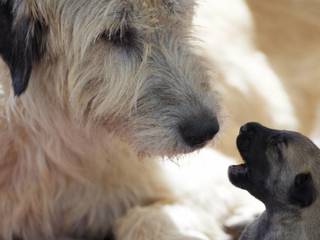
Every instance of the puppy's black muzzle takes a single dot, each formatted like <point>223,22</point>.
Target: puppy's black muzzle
<point>252,140</point>
<point>252,143</point>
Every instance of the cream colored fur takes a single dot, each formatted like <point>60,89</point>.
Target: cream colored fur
<point>77,149</point>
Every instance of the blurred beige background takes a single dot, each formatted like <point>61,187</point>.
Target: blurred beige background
<point>265,56</point>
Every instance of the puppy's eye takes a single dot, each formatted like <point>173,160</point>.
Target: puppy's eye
<point>278,140</point>
<point>124,37</point>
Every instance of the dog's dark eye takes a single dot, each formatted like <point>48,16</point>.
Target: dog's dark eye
<point>124,37</point>
<point>278,140</point>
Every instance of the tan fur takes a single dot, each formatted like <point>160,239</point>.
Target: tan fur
<point>286,219</point>
<point>77,148</point>
<point>305,157</point>
<point>292,204</point>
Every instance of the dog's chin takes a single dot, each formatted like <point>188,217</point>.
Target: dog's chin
<point>239,175</point>
<point>167,152</point>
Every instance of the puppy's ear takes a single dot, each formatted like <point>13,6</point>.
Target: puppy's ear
<point>302,192</point>
<point>21,45</point>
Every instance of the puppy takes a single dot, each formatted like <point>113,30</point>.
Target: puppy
<point>281,169</point>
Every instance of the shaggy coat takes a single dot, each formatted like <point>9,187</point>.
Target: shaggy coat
<point>99,88</point>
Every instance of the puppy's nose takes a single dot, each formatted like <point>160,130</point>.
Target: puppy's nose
<point>250,127</point>
<point>198,131</point>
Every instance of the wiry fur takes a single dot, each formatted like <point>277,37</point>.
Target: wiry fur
<point>76,147</point>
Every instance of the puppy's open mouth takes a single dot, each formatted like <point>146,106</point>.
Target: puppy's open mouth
<point>252,143</point>
<point>239,174</point>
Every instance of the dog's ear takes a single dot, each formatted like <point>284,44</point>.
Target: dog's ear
<point>6,20</point>
<point>302,192</point>
<point>21,45</point>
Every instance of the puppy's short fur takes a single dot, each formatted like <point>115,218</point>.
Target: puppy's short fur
<point>282,170</point>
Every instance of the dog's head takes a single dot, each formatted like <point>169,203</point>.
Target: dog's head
<point>280,167</point>
<point>126,66</point>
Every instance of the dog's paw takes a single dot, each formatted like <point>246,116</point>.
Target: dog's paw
<point>241,218</point>
<point>190,238</point>
<point>244,215</point>
<point>193,235</point>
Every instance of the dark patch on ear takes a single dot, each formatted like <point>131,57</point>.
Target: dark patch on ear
<point>110,236</point>
<point>302,193</point>
<point>28,47</point>
<point>6,19</point>
<point>22,45</point>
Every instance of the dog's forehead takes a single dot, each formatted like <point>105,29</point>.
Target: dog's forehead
<point>300,151</point>
<point>113,8</point>
<point>159,3</point>
<point>161,12</point>
<point>301,143</point>
<point>100,15</point>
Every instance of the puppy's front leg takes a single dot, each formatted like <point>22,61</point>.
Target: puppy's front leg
<point>159,222</point>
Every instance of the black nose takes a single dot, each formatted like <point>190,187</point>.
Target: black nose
<point>250,127</point>
<point>197,131</point>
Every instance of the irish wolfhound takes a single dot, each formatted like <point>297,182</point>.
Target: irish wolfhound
<point>99,88</point>
<point>282,170</point>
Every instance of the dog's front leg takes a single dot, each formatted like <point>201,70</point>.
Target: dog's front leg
<point>161,222</point>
